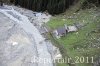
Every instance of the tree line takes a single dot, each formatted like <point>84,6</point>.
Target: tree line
<point>52,6</point>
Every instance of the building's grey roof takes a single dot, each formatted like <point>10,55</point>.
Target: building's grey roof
<point>61,30</point>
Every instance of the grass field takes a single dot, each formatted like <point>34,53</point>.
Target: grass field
<point>85,42</point>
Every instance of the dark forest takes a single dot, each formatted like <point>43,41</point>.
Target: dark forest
<point>52,6</point>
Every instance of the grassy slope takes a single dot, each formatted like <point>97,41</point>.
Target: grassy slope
<point>79,43</point>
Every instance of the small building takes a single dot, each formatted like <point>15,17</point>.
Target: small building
<point>72,29</point>
<point>60,32</point>
<point>79,25</point>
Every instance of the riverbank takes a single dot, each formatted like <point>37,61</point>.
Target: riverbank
<point>30,23</point>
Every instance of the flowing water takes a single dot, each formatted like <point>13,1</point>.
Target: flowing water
<point>40,43</point>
